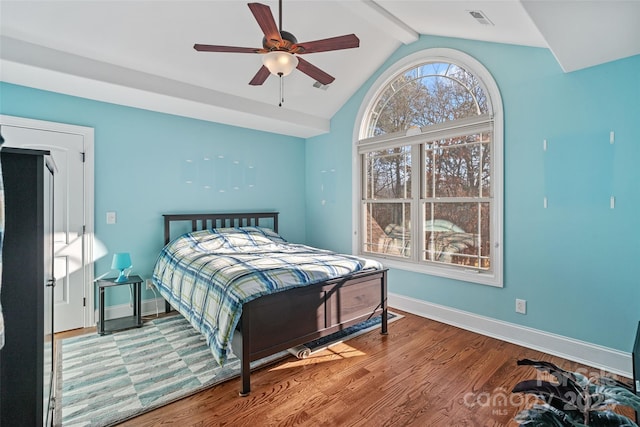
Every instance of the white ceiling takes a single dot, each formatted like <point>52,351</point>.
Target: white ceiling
<point>140,53</point>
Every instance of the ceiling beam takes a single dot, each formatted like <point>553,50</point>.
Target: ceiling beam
<point>375,14</point>
<point>39,67</point>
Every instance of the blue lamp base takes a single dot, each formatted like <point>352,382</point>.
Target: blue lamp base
<point>121,278</point>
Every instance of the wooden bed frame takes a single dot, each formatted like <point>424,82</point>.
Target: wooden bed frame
<point>276,322</point>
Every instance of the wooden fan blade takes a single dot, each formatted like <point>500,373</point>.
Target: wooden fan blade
<point>314,72</point>
<point>263,15</point>
<point>232,49</point>
<point>260,76</point>
<point>334,43</point>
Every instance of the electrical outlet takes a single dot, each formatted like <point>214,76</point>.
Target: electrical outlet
<point>521,306</point>
<point>149,283</point>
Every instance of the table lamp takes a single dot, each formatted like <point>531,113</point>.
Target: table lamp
<point>121,261</point>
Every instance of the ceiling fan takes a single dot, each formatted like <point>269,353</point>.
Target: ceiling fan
<point>281,48</point>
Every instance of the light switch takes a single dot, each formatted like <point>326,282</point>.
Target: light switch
<point>111,217</point>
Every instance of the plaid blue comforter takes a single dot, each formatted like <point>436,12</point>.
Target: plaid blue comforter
<point>207,275</point>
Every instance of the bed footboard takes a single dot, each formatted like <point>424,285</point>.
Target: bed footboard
<point>276,322</point>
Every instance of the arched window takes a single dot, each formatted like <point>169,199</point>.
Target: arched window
<point>430,169</point>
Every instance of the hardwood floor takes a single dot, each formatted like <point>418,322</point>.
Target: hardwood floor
<point>423,373</point>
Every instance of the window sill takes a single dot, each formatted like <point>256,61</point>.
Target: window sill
<point>465,275</point>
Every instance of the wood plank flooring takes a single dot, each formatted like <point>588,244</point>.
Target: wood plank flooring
<point>423,373</point>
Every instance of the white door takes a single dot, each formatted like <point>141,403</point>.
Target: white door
<point>69,237</point>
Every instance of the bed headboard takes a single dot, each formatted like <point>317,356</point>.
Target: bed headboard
<point>221,220</point>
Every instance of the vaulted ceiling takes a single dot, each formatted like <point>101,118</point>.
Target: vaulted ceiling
<point>140,53</point>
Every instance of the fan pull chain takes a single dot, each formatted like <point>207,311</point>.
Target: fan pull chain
<point>281,90</point>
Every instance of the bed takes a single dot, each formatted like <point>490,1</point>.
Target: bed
<point>274,305</point>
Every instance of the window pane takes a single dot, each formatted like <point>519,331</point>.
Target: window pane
<point>458,233</point>
<point>388,174</point>
<point>485,167</point>
<point>425,95</point>
<point>458,167</point>
<point>387,228</point>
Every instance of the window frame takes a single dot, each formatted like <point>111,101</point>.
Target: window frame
<point>473,66</point>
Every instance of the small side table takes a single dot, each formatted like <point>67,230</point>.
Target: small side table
<point>112,325</point>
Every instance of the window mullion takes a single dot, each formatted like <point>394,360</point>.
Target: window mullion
<point>480,236</point>
<point>457,199</point>
<point>424,190</point>
<point>480,194</point>
<point>417,174</point>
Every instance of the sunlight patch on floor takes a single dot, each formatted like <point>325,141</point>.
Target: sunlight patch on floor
<point>337,351</point>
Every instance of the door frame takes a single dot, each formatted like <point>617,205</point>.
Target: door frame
<point>87,134</point>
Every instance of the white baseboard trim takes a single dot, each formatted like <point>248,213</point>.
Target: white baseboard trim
<point>122,310</point>
<point>596,356</point>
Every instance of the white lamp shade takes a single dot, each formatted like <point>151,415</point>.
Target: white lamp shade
<point>279,62</point>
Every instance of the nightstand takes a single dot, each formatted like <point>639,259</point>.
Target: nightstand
<point>112,325</point>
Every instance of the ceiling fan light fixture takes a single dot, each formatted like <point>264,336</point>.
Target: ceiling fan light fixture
<point>279,62</point>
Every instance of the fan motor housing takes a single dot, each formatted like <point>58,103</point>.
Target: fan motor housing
<point>288,40</point>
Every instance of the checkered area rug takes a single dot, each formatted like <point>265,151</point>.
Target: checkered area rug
<point>104,380</point>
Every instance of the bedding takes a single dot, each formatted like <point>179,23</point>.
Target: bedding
<point>208,275</point>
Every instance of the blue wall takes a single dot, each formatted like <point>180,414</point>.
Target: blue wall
<point>574,261</point>
<point>141,169</point>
